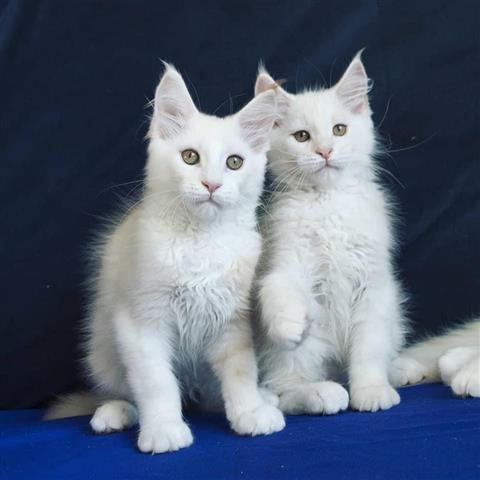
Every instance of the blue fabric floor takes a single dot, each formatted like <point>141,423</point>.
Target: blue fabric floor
<point>430,435</point>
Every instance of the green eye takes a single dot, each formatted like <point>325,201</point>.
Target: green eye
<point>301,136</point>
<point>234,162</point>
<point>339,130</point>
<point>190,157</point>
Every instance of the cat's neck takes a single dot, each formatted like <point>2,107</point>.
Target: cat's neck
<point>345,184</point>
<point>180,220</point>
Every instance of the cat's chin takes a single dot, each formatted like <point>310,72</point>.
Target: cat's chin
<point>207,209</point>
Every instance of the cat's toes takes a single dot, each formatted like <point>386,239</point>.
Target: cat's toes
<point>466,381</point>
<point>374,398</point>
<point>268,396</point>
<point>406,371</point>
<point>453,360</point>
<point>114,416</point>
<point>164,437</point>
<point>263,420</point>
<point>315,398</point>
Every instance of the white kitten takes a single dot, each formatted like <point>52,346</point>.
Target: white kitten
<point>328,296</point>
<point>453,357</point>
<point>171,308</point>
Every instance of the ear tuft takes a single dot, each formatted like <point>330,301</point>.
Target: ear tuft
<point>354,86</point>
<point>173,105</point>
<point>257,118</point>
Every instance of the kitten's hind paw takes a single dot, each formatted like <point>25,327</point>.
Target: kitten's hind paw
<point>268,396</point>
<point>114,416</point>
<point>374,398</point>
<point>406,371</point>
<point>263,420</point>
<point>165,437</point>
<point>315,398</point>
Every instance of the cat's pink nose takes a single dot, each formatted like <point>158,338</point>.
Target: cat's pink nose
<point>211,187</point>
<point>325,152</point>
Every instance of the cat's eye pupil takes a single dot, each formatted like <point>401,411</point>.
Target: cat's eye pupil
<point>190,157</point>
<point>339,129</point>
<point>301,136</point>
<point>234,162</point>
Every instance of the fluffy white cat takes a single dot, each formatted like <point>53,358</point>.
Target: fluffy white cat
<point>328,295</point>
<point>453,357</point>
<point>170,317</point>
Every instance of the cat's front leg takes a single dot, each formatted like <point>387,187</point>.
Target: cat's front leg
<point>284,308</point>
<point>146,351</point>
<point>371,351</point>
<point>233,360</point>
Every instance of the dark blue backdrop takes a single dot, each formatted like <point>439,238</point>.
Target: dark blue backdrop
<point>74,81</point>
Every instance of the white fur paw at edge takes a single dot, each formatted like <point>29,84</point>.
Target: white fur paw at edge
<point>406,371</point>
<point>453,360</point>
<point>263,420</point>
<point>374,398</point>
<point>114,416</point>
<point>166,437</point>
<point>466,382</point>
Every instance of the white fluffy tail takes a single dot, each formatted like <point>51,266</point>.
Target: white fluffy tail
<point>72,405</point>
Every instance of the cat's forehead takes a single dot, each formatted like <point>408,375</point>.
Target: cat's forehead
<point>212,133</point>
<point>315,104</point>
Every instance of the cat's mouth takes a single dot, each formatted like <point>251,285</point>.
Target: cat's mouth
<point>326,167</point>
<point>208,201</point>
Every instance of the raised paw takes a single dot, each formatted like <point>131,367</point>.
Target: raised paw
<point>373,398</point>
<point>315,398</point>
<point>406,371</point>
<point>263,420</point>
<point>164,437</point>
<point>288,327</point>
<point>114,416</point>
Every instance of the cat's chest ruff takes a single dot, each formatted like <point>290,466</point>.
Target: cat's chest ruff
<point>333,239</point>
<point>199,277</point>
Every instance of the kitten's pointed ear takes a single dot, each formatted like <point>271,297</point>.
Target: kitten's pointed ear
<point>173,105</point>
<point>354,86</point>
<point>265,82</point>
<point>256,120</point>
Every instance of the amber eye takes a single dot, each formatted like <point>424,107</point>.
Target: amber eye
<point>339,130</point>
<point>234,162</point>
<point>190,157</point>
<point>301,136</point>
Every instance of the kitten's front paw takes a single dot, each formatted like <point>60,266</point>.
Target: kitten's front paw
<point>406,371</point>
<point>315,398</point>
<point>263,420</point>
<point>460,368</point>
<point>288,327</point>
<point>165,437</point>
<point>374,398</point>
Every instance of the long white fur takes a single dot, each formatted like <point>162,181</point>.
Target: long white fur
<point>453,357</point>
<point>328,294</point>
<point>170,316</point>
